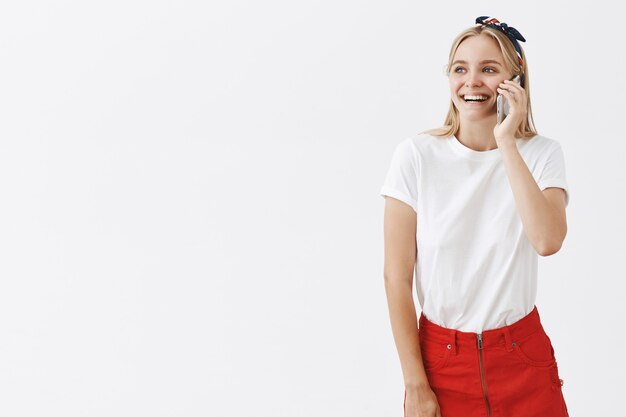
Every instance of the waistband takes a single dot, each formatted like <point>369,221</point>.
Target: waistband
<point>503,336</point>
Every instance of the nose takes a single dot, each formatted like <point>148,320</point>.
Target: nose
<point>472,80</point>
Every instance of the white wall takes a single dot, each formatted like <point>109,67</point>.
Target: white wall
<point>190,222</point>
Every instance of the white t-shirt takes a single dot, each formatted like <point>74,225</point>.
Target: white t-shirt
<point>476,270</point>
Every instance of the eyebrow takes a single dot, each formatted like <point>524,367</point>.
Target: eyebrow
<point>486,61</point>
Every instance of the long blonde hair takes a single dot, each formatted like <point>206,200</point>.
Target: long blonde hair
<point>452,123</point>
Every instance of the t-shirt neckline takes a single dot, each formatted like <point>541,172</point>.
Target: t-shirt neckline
<point>471,153</point>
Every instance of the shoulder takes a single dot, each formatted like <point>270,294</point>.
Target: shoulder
<point>540,148</point>
<point>542,143</point>
<point>419,143</point>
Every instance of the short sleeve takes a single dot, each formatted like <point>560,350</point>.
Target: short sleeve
<point>401,180</point>
<point>553,173</point>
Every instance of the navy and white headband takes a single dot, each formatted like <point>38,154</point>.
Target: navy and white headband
<point>509,31</point>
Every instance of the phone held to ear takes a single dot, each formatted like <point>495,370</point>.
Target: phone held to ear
<point>502,103</point>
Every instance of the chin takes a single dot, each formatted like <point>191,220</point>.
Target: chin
<point>476,116</point>
<point>479,113</point>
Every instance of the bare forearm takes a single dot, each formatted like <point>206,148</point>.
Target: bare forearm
<point>404,327</point>
<point>541,221</point>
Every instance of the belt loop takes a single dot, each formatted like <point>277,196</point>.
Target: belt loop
<point>453,339</point>
<point>507,339</point>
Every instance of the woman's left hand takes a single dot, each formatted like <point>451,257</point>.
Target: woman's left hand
<point>516,95</point>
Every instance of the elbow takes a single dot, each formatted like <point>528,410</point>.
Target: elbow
<point>550,248</point>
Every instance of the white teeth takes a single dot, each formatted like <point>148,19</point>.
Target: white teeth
<point>475,97</point>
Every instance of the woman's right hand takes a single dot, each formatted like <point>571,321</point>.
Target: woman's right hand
<point>421,402</point>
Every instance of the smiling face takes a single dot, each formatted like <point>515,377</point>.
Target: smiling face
<point>477,70</point>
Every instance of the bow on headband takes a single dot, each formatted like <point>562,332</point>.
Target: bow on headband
<point>511,32</point>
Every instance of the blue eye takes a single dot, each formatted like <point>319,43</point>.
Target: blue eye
<point>492,70</point>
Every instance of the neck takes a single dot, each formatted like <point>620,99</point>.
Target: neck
<point>478,134</point>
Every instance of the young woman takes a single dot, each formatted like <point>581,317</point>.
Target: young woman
<point>468,208</point>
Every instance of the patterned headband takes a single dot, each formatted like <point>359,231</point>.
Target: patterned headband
<point>511,32</point>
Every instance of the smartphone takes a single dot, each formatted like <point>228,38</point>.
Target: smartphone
<point>502,103</point>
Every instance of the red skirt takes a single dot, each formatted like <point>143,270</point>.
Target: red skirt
<point>510,371</point>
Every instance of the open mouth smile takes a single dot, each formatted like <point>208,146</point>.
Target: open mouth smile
<point>475,99</point>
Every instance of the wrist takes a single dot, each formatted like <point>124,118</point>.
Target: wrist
<point>506,142</point>
<point>507,138</point>
<point>417,386</point>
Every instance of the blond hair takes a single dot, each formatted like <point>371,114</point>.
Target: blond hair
<point>452,123</point>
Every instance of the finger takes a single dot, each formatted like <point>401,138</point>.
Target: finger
<point>515,88</point>
<point>503,88</point>
<point>510,87</point>
<point>507,94</point>
<point>514,85</point>
<point>517,94</point>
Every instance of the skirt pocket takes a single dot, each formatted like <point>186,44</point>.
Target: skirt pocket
<point>535,350</point>
<point>435,352</point>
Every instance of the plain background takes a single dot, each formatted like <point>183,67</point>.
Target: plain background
<point>190,218</point>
